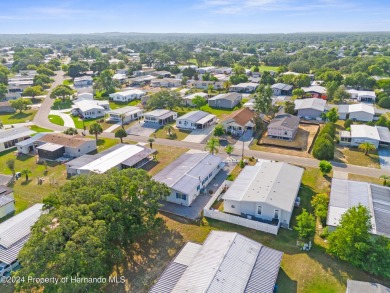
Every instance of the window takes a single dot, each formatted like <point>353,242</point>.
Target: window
<point>233,206</point>
<point>211,174</point>
<point>198,188</point>
<point>276,214</point>
<point>259,210</point>
<point>181,196</point>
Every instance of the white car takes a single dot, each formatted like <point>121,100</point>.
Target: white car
<point>6,268</point>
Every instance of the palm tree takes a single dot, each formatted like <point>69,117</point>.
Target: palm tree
<point>366,147</point>
<point>95,129</point>
<point>212,145</point>
<point>227,84</point>
<point>169,129</point>
<point>121,133</point>
<point>385,178</point>
<point>25,172</point>
<point>150,141</point>
<point>229,149</point>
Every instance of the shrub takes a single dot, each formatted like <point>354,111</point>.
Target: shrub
<point>323,149</point>
<point>384,103</point>
<point>348,123</point>
<point>324,233</point>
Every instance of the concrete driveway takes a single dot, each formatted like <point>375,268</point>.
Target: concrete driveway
<point>143,129</point>
<point>384,158</point>
<point>199,135</point>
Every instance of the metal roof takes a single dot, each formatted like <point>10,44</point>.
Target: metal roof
<point>128,93</point>
<point>14,133</point>
<point>192,96</point>
<point>361,107</point>
<point>274,183</point>
<point>196,116</point>
<point>381,207</point>
<point>128,110</point>
<point>88,105</point>
<point>365,287</point>
<point>4,200</point>
<point>384,133</point>
<point>311,103</point>
<point>228,96</point>
<point>50,147</point>
<point>315,88</point>
<point>31,140</point>
<point>160,113</point>
<point>226,262</point>
<point>282,86</point>
<point>15,229</point>
<point>187,171</point>
<point>366,131</point>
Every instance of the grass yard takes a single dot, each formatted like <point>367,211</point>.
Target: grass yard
<point>267,68</point>
<point>105,143</point>
<point>78,122</point>
<point>363,178</point>
<point>305,272</point>
<point>68,82</point>
<point>220,113</point>
<point>165,155</point>
<point>28,193</point>
<point>12,118</point>
<point>116,105</point>
<point>39,129</point>
<point>355,157</point>
<point>178,134</point>
<point>55,119</point>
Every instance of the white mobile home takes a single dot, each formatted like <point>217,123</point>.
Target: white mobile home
<point>127,96</point>
<point>195,120</point>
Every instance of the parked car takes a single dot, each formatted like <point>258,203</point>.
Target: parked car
<point>7,268</point>
<point>18,175</point>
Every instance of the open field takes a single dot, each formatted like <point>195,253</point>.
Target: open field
<point>303,139</point>
<point>267,68</point>
<point>12,118</point>
<point>55,119</point>
<point>355,157</point>
<point>305,272</point>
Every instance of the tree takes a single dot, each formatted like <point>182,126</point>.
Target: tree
<point>385,178</point>
<point>11,166</point>
<point>150,141</point>
<point>226,84</point>
<point>229,149</point>
<point>331,88</point>
<point>210,88</point>
<point>105,82</point>
<point>298,92</point>
<point>263,99</point>
<point>332,115</point>
<point>302,80</point>
<point>351,239</point>
<point>212,145</point>
<point>366,147</point>
<point>90,233</point>
<point>169,129</point>
<point>25,172</point>
<point>267,78</point>
<point>199,101</point>
<point>289,107</point>
<point>95,129</point>
<point>320,204</point>
<point>348,123</point>
<point>21,104</point>
<point>384,103</point>
<point>62,91</point>
<point>218,130</point>
<point>238,69</point>
<point>306,225</point>
<point>3,91</point>
<point>323,149</point>
<point>33,91</point>
<point>378,258</point>
<point>121,133</point>
<point>299,66</point>
<point>71,131</point>
<point>75,69</point>
<point>341,94</point>
<point>164,100</point>
<point>325,167</point>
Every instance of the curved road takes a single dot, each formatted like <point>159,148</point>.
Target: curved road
<point>41,119</point>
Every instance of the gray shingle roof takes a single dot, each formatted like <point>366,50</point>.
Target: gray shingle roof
<point>287,121</point>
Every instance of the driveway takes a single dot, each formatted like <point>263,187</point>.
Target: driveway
<point>68,121</point>
<point>245,139</point>
<point>143,129</point>
<point>199,135</point>
<point>384,158</point>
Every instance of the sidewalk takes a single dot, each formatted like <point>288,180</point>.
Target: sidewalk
<point>113,127</point>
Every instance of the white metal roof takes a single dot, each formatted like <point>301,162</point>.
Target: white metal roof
<point>366,131</point>
<point>311,103</point>
<point>197,116</point>
<point>88,105</point>
<point>128,110</point>
<point>31,140</point>
<point>112,159</point>
<point>274,183</point>
<point>14,133</point>
<point>361,107</point>
<point>18,226</point>
<point>192,96</point>
<point>315,88</point>
<point>159,113</point>
<point>128,93</point>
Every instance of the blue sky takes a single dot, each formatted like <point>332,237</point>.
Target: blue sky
<point>193,16</point>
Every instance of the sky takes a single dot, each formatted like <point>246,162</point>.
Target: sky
<point>193,16</point>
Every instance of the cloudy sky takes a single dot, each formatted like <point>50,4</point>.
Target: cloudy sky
<point>193,16</point>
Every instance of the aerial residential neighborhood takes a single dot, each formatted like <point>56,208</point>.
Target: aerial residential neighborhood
<point>206,146</point>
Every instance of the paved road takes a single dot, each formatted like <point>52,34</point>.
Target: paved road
<point>41,118</point>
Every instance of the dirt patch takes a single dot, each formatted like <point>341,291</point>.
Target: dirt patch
<point>302,141</point>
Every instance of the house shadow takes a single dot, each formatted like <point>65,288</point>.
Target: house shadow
<point>285,284</point>
<point>145,260</point>
<point>23,157</point>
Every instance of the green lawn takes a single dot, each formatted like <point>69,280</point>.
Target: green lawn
<point>105,143</point>
<point>55,119</point>
<point>220,113</point>
<point>178,134</point>
<point>306,272</point>
<point>353,156</point>
<point>28,193</point>
<point>116,105</point>
<point>267,68</point>
<point>60,105</point>
<point>68,82</point>
<point>13,118</point>
<point>39,129</point>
